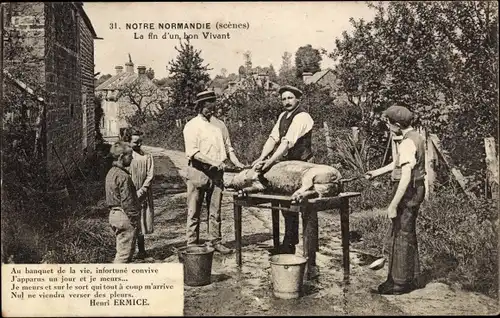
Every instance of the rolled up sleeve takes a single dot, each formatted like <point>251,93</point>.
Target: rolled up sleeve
<point>275,133</point>
<point>301,125</point>
<point>227,140</point>
<point>190,141</point>
<point>407,153</point>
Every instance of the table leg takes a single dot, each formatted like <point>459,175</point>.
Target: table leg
<point>237,232</point>
<point>344,226</point>
<point>276,225</point>
<point>309,238</point>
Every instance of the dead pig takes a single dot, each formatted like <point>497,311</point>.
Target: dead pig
<point>300,179</point>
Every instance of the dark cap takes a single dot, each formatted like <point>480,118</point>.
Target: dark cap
<point>287,88</point>
<point>119,148</point>
<point>399,114</point>
<point>206,96</point>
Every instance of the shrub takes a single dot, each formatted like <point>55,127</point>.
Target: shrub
<point>457,239</point>
<point>165,137</point>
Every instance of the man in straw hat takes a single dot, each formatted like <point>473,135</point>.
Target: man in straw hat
<point>206,151</point>
<point>408,173</point>
<point>290,139</point>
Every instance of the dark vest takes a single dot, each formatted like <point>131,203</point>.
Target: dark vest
<point>418,172</point>
<point>302,149</point>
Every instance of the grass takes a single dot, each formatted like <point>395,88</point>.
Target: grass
<point>38,229</point>
<point>457,240</point>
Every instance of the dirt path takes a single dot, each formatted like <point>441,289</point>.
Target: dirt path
<point>248,291</point>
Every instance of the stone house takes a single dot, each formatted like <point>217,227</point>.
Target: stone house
<point>125,94</point>
<point>60,38</point>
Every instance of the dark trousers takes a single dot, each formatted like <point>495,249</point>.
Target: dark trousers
<point>291,226</point>
<point>404,264</point>
<point>292,221</point>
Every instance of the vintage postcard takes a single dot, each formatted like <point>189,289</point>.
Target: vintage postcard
<point>249,158</point>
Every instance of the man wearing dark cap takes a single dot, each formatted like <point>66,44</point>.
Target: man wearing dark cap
<point>290,139</point>
<point>408,173</point>
<point>121,199</point>
<point>206,152</point>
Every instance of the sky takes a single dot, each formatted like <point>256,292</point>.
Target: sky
<point>272,29</point>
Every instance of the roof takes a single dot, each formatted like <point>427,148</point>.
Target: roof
<point>87,21</point>
<point>317,76</point>
<point>118,81</point>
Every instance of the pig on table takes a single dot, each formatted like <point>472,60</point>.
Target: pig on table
<point>299,178</point>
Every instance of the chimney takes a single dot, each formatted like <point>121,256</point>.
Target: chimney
<point>141,70</point>
<point>306,77</point>
<point>119,69</point>
<point>129,67</point>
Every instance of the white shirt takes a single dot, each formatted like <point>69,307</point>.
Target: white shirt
<point>202,136</point>
<point>407,150</point>
<point>301,124</point>
<point>225,133</point>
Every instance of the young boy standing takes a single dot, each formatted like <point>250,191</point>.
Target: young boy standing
<point>408,172</point>
<point>142,172</point>
<point>121,198</point>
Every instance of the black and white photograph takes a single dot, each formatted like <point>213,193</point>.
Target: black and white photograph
<point>249,158</point>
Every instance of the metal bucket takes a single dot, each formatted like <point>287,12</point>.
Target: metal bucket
<point>197,262</point>
<point>287,275</point>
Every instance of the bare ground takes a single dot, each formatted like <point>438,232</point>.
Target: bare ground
<point>248,291</point>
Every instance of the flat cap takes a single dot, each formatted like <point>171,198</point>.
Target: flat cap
<point>206,96</point>
<point>399,114</point>
<point>287,88</point>
<point>119,148</point>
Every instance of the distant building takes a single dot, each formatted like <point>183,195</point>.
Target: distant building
<point>122,94</point>
<point>261,80</point>
<point>60,39</point>
<point>324,78</point>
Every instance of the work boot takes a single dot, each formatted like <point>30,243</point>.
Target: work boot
<point>222,249</point>
<point>394,289</point>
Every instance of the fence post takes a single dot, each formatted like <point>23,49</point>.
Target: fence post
<point>491,166</point>
<point>328,140</point>
<point>430,175</point>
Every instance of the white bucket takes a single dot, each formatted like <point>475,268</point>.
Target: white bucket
<point>287,274</point>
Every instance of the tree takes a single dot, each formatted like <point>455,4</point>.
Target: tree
<point>242,71</point>
<point>307,59</point>
<point>439,59</point>
<point>162,82</point>
<point>248,61</point>
<point>189,77</point>
<point>223,72</point>
<point>272,74</point>
<point>286,72</point>
<point>150,73</point>
<point>146,98</point>
<point>232,77</point>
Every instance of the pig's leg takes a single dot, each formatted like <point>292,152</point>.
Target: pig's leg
<point>256,187</point>
<point>298,198</point>
<point>306,190</point>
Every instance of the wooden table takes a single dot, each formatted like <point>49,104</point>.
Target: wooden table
<point>308,210</point>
